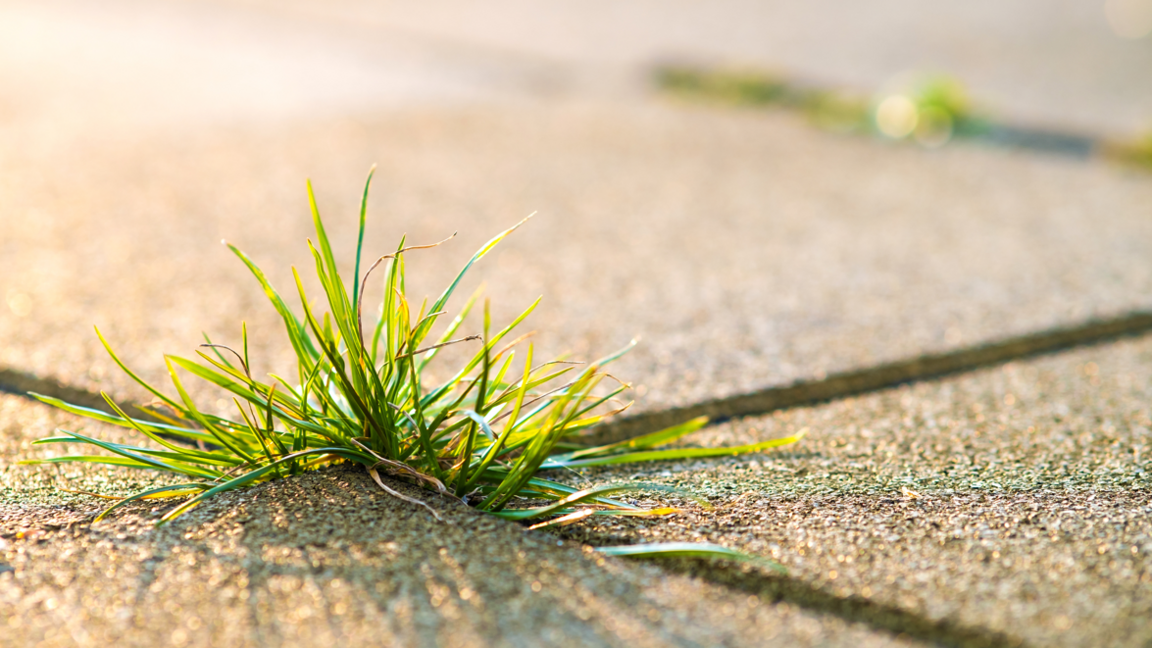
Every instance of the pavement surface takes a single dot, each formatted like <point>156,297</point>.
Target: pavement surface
<point>746,250</point>
<point>262,569</point>
<point>1013,499</point>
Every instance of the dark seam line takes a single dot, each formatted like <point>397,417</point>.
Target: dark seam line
<point>20,383</point>
<point>797,94</point>
<point>765,401</point>
<point>851,383</point>
<point>1040,140</point>
<point>853,608</point>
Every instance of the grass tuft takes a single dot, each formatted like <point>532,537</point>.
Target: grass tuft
<point>927,109</point>
<point>360,395</point>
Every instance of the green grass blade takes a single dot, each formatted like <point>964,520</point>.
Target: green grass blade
<point>346,386</point>
<point>297,334</point>
<point>578,497</point>
<point>453,326</point>
<point>216,351</point>
<point>179,453</point>
<point>148,494</point>
<point>104,417</point>
<point>222,437</point>
<point>493,450</point>
<point>562,490</point>
<point>115,358</point>
<point>97,459</point>
<point>614,356</point>
<point>360,236</point>
<point>222,380</point>
<point>183,469</point>
<point>318,224</point>
<point>670,455</point>
<point>541,446</point>
<point>340,309</point>
<point>644,441</point>
<point>439,392</point>
<point>183,457</point>
<point>140,428</point>
<point>485,249</point>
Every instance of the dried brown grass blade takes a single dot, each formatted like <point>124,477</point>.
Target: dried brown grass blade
<point>399,495</point>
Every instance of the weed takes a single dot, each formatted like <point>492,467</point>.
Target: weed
<point>360,395</point>
<point>929,109</point>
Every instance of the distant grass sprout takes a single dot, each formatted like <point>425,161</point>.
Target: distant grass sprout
<point>927,109</point>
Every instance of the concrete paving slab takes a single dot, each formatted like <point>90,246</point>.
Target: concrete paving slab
<point>260,568</point>
<point>1013,499</point>
<point>744,250</point>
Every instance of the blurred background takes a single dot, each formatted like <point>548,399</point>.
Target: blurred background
<point>1079,64</point>
<point>726,179</point>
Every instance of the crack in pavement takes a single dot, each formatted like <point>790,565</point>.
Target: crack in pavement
<point>770,399</point>
<point>853,608</point>
<point>21,383</point>
<point>877,377</point>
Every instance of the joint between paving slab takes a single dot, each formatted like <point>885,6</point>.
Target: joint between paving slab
<point>860,381</point>
<point>771,399</point>
<point>797,94</point>
<point>853,608</point>
<point>21,383</point>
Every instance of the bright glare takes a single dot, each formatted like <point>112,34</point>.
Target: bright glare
<point>1130,19</point>
<point>19,303</point>
<point>897,116</point>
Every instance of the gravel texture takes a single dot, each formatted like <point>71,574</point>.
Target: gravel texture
<point>267,567</point>
<point>1015,499</point>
